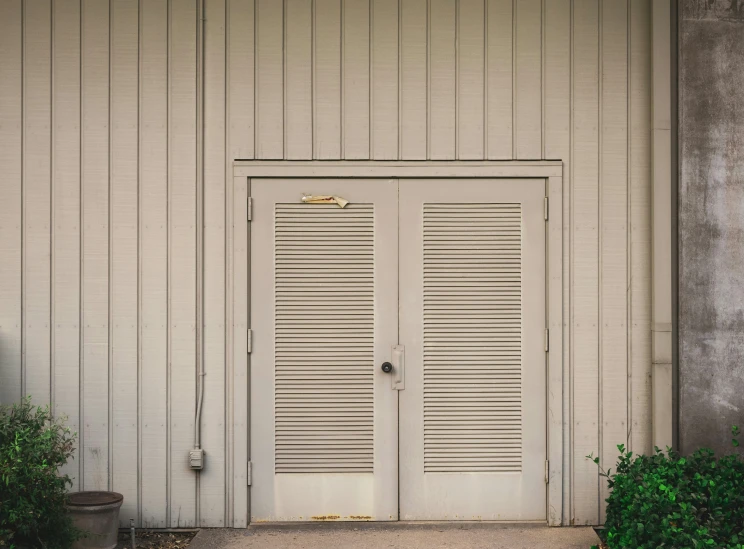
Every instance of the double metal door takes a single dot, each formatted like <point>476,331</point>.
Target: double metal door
<point>398,361</point>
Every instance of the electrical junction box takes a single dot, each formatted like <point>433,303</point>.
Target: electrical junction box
<point>196,459</point>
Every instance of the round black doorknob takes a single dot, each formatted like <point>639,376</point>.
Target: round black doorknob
<point>387,367</point>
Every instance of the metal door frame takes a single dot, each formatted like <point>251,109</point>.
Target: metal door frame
<point>238,295</point>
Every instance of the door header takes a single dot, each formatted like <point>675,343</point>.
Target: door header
<point>399,169</point>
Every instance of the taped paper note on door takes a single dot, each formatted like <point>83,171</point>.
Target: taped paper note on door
<point>325,200</point>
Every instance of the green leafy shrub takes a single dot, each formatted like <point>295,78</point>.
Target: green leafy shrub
<point>33,445</point>
<point>666,500</point>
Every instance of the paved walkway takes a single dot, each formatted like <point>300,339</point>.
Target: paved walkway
<point>396,536</point>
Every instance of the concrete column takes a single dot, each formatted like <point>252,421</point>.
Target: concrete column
<point>711,223</point>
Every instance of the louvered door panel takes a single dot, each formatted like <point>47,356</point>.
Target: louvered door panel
<point>324,316</point>
<point>472,319</point>
<point>472,337</point>
<point>324,330</point>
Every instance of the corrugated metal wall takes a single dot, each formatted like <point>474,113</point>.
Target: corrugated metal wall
<point>99,198</point>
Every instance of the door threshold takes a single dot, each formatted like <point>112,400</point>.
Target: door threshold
<point>403,524</point>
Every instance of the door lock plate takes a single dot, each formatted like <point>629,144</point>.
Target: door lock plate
<point>399,367</point>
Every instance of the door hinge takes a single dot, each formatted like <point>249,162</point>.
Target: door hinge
<point>545,208</point>
<point>249,341</point>
<point>547,340</point>
<point>547,471</point>
<point>249,473</point>
<point>250,208</point>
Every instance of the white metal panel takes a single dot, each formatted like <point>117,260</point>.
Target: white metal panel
<point>557,143</point>
<point>241,71</point>
<point>557,435</point>
<point>269,91</point>
<point>639,198</point>
<point>241,405</point>
<point>470,79</point>
<point>94,437</point>
<point>212,485</point>
<point>327,78</point>
<point>181,266</point>
<point>613,236</point>
<point>323,309</point>
<point>153,264</point>
<point>412,79</point>
<point>585,277</point>
<point>442,83</point>
<point>384,23</point>
<point>528,79</point>
<point>472,313</point>
<point>66,220</point>
<point>240,119</point>
<point>37,200</point>
<point>90,90</point>
<point>298,101</point>
<point>499,78</point>
<point>11,185</point>
<point>356,78</point>
<point>124,252</point>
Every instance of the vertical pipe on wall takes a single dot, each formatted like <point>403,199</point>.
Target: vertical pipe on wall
<point>199,238</point>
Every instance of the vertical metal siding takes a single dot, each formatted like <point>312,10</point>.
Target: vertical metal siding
<point>123,279</point>
<point>585,263</point>
<point>11,198</point>
<point>65,319</point>
<point>153,198</point>
<point>180,219</point>
<point>99,201</point>
<point>639,224</point>
<point>613,233</point>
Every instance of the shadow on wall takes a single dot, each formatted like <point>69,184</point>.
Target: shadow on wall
<point>721,10</point>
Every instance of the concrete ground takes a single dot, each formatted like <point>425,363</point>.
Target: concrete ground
<point>396,536</point>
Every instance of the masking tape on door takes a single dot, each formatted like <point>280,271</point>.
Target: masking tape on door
<point>325,200</point>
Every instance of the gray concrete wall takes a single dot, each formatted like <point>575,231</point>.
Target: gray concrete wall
<point>711,222</point>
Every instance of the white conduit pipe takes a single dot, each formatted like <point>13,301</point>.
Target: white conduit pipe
<point>200,222</point>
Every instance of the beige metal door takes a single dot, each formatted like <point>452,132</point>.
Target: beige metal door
<point>472,319</point>
<point>329,286</point>
<point>324,300</point>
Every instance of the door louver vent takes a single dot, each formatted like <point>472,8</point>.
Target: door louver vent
<point>472,338</point>
<point>324,348</point>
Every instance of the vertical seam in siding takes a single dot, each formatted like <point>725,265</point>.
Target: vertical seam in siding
<point>168,268</point>
<point>600,231</point>
<point>628,229</point>
<point>284,76</point>
<point>313,82</point>
<point>514,79</point>
<point>370,84</point>
<point>571,274</point>
<point>23,199</point>
<point>81,262</point>
<point>229,358</point>
<point>139,262</point>
<point>110,250</point>
<point>52,311</point>
<point>428,79</point>
<point>542,79</point>
<point>284,79</point>
<point>400,77</point>
<point>485,79</point>
<point>256,87</point>
<point>457,79</point>
<point>341,87</point>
